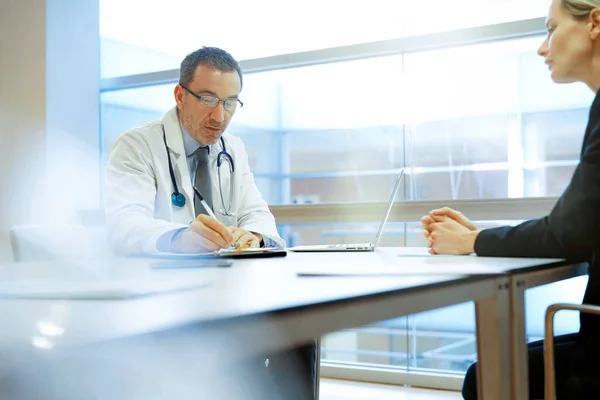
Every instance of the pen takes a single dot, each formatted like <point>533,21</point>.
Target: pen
<point>204,204</point>
<point>210,212</point>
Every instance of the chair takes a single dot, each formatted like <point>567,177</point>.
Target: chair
<point>49,242</point>
<point>549,372</point>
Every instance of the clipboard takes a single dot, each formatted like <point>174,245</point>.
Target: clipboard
<point>252,253</point>
<point>223,253</point>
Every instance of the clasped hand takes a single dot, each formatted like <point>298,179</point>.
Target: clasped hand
<point>449,232</point>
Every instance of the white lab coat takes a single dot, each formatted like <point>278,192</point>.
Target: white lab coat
<point>139,188</point>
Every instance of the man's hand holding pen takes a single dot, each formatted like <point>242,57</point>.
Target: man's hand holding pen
<point>244,239</point>
<point>204,234</point>
<point>207,233</point>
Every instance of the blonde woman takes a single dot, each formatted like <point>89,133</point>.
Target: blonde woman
<point>572,229</point>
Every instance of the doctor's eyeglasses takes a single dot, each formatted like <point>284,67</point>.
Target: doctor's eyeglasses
<point>212,101</point>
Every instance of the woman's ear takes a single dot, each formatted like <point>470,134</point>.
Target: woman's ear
<point>594,23</point>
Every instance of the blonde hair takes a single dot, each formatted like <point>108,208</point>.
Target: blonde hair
<point>579,8</point>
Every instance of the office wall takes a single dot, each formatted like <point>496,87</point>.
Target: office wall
<point>48,111</point>
<point>22,113</point>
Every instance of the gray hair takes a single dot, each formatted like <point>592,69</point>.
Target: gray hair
<point>579,8</point>
<point>210,56</point>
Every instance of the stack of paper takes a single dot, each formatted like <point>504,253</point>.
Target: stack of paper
<point>398,269</point>
<point>92,290</point>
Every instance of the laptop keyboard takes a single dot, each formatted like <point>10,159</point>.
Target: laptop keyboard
<point>359,246</point>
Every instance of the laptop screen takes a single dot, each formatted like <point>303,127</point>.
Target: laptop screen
<point>389,208</point>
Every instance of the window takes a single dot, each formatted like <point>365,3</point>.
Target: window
<point>341,132</point>
<point>139,38</point>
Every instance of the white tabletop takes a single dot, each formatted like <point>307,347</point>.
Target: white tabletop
<point>249,287</point>
<point>252,307</point>
<point>408,261</point>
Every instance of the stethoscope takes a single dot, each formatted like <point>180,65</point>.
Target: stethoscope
<point>178,199</point>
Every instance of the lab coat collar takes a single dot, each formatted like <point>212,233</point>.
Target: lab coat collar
<point>173,132</point>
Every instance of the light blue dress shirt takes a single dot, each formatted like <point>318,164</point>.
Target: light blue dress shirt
<point>190,145</point>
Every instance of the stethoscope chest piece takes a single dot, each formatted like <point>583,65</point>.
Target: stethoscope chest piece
<point>178,199</point>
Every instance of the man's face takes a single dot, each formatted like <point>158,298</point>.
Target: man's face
<point>204,123</point>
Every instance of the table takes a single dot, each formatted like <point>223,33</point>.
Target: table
<point>259,301</point>
<point>521,278</point>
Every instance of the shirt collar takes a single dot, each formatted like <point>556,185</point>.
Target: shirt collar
<point>190,144</point>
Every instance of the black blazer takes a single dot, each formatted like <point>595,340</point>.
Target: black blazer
<point>572,230</point>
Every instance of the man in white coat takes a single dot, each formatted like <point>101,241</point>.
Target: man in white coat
<point>158,173</point>
<point>150,209</point>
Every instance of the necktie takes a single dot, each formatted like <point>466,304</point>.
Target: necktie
<point>202,180</point>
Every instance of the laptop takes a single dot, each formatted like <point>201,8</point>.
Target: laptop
<point>357,246</point>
